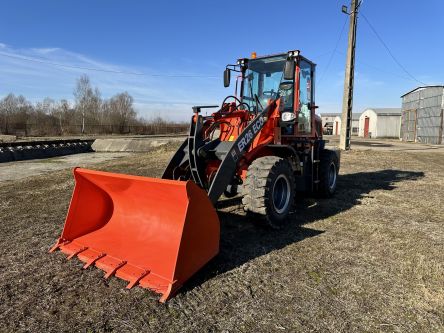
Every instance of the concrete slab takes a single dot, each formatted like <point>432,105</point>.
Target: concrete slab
<point>23,169</point>
<point>7,138</point>
<point>132,144</point>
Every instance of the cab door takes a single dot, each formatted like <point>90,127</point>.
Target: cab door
<point>305,103</point>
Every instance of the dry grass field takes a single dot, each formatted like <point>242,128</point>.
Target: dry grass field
<point>369,260</point>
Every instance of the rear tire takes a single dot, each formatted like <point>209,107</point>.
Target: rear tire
<point>269,189</point>
<point>328,173</point>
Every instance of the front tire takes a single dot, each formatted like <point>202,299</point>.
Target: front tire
<point>269,189</point>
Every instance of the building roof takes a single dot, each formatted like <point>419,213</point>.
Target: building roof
<point>386,111</point>
<point>421,87</point>
<point>330,114</point>
<point>355,116</point>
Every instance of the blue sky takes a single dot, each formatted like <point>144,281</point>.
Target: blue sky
<point>198,38</point>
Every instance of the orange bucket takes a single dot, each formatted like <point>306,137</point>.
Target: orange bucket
<point>152,232</point>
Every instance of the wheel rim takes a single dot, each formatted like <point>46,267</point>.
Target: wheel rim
<point>281,194</point>
<point>332,176</point>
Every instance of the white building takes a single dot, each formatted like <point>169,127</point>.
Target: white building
<point>380,123</point>
<point>328,118</point>
<point>355,124</point>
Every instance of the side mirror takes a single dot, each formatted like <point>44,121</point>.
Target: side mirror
<point>289,69</point>
<point>227,77</point>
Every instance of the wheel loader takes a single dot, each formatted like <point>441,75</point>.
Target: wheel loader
<point>263,144</point>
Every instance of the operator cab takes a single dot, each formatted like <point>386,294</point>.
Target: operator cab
<point>288,76</point>
<point>262,82</point>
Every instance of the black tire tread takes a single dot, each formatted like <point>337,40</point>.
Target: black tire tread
<point>257,185</point>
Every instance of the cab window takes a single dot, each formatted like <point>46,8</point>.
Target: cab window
<point>305,87</point>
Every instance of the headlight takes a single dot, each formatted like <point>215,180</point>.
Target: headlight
<point>294,53</point>
<point>288,116</point>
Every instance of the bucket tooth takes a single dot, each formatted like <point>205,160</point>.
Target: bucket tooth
<point>93,260</point>
<point>58,244</point>
<point>137,279</point>
<point>114,270</point>
<point>72,255</point>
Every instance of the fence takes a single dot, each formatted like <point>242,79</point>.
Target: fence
<point>144,129</point>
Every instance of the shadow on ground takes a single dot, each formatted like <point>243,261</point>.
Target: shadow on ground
<point>243,239</point>
<point>372,144</point>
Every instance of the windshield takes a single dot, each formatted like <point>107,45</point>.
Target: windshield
<point>262,79</point>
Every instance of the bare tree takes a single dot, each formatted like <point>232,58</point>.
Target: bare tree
<point>61,111</point>
<point>44,122</point>
<point>121,111</point>
<point>94,115</point>
<point>87,102</point>
<point>7,107</point>
<point>14,113</point>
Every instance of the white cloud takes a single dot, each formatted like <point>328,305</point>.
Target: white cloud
<point>32,72</point>
<point>45,50</point>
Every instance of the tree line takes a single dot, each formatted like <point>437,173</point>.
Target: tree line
<point>89,114</point>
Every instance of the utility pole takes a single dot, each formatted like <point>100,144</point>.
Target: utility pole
<point>347,102</point>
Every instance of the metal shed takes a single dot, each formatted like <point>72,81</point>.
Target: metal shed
<point>380,123</point>
<point>422,115</point>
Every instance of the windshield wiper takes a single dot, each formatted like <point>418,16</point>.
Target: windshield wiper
<point>258,103</point>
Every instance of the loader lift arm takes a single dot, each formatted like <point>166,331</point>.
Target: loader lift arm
<point>228,167</point>
<point>186,155</point>
<point>191,154</point>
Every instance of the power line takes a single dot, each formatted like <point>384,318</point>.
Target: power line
<point>102,70</point>
<point>377,68</point>
<point>390,52</point>
<point>332,53</point>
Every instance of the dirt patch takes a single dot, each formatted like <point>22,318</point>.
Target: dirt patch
<point>368,260</point>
